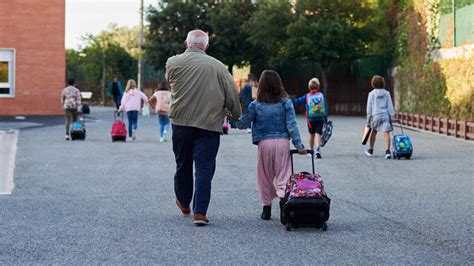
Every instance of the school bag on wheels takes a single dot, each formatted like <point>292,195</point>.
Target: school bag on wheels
<point>119,130</point>
<point>78,130</point>
<point>401,145</point>
<point>306,203</point>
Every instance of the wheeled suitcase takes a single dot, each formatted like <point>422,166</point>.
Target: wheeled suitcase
<point>401,146</point>
<point>78,130</point>
<point>119,130</point>
<point>306,203</point>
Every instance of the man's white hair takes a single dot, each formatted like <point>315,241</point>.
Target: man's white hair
<point>195,38</point>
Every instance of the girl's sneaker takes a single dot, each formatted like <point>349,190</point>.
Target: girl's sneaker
<point>388,155</point>
<point>266,213</point>
<point>162,139</point>
<point>369,152</point>
<point>134,135</point>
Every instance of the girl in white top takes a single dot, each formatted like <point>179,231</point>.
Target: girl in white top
<point>161,99</point>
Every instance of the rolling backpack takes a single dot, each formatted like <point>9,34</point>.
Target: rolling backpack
<point>78,130</point>
<point>306,203</point>
<point>401,146</point>
<point>119,130</point>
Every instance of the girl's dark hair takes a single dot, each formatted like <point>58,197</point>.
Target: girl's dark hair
<point>163,86</point>
<point>270,88</point>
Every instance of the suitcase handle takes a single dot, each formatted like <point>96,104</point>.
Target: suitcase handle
<point>294,151</point>
<point>115,115</point>
<point>400,123</point>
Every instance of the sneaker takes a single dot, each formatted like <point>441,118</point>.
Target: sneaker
<point>67,137</point>
<point>318,154</point>
<point>185,210</point>
<point>369,152</point>
<point>200,220</point>
<point>266,213</point>
<point>388,155</point>
<point>249,130</point>
<point>134,135</point>
<point>162,140</point>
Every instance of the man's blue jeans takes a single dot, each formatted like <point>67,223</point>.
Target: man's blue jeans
<point>198,146</point>
<point>132,122</point>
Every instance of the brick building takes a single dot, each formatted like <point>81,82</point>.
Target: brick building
<point>32,57</point>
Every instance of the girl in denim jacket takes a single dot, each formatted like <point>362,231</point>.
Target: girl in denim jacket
<point>272,117</point>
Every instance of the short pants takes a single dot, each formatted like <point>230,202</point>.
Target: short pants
<point>315,127</point>
<point>381,122</point>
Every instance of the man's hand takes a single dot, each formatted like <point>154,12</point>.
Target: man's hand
<point>302,151</point>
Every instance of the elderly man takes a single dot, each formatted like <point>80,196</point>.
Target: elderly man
<point>201,89</point>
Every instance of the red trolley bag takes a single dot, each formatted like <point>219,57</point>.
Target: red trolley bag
<point>119,130</point>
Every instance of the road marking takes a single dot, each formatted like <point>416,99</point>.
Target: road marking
<point>8,147</point>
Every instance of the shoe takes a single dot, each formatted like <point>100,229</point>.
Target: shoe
<point>266,213</point>
<point>200,220</point>
<point>162,140</point>
<point>67,137</point>
<point>388,155</point>
<point>369,152</point>
<point>185,210</point>
<point>318,154</point>
<point>134,135</point>
<point>249,130</point>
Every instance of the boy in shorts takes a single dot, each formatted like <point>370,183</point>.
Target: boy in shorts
<point>379,114</point>
<point>316,113</point>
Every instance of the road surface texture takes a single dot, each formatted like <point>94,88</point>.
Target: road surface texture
<point>94,201</point>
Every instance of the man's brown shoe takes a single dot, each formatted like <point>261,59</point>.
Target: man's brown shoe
<point>186,211</point>
<point>200,220</point>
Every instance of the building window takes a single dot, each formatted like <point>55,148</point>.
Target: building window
<point>7,73</point>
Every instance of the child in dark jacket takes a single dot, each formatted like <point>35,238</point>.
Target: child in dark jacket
<point>316,113</point>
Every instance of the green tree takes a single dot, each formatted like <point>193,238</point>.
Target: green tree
<point>229,42</point>
<point>327,32</point>
<point>169,25</point>
<point>267,29</point>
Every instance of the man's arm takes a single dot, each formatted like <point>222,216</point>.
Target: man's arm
<point>232,102</point>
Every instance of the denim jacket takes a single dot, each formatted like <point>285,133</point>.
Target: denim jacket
<point>271,121</point>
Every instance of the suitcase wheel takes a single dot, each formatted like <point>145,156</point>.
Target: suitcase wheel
<point>408,157</point>
<point>325,227</point>
<point>288,226</point>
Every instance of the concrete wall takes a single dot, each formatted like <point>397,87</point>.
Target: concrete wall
<point>35,29</point>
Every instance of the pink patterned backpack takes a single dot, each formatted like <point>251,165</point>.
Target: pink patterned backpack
<point>305,185</point>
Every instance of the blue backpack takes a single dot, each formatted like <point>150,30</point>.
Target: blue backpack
<point>315,106</point>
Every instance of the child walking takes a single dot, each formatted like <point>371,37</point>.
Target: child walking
<point>379,114</point>
<point>316,113</point>
<point>161,99</point>
<point>131,103</point>
<point>272,118</point>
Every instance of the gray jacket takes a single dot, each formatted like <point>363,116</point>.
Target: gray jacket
<point>379,102</point>
<point>201,87</point>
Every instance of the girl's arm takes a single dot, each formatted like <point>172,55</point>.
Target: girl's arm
<point>245,121</point>
<point>299,100</point>
<point>123,102</point>
<point>291,125</point>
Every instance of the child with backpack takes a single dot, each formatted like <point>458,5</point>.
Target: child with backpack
<point>316,113</point>
<point>131,103</point>
<point>272,118</point>
<point>161,99</point>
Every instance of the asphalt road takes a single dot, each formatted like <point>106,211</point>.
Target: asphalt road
<point>101,202</point>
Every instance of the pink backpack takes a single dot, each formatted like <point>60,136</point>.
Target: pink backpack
<point>305,185</point>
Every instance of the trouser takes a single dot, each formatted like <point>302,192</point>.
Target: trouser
<point>164,121</point>
<point>198,146</point>
<point>117,100</point>
<point>273,169</point>
<point>70,117</point>
<point>132,122</point>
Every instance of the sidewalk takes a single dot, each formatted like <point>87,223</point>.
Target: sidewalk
<point>8,147</point>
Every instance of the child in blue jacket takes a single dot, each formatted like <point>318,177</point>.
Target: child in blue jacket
<point>316,113</point>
